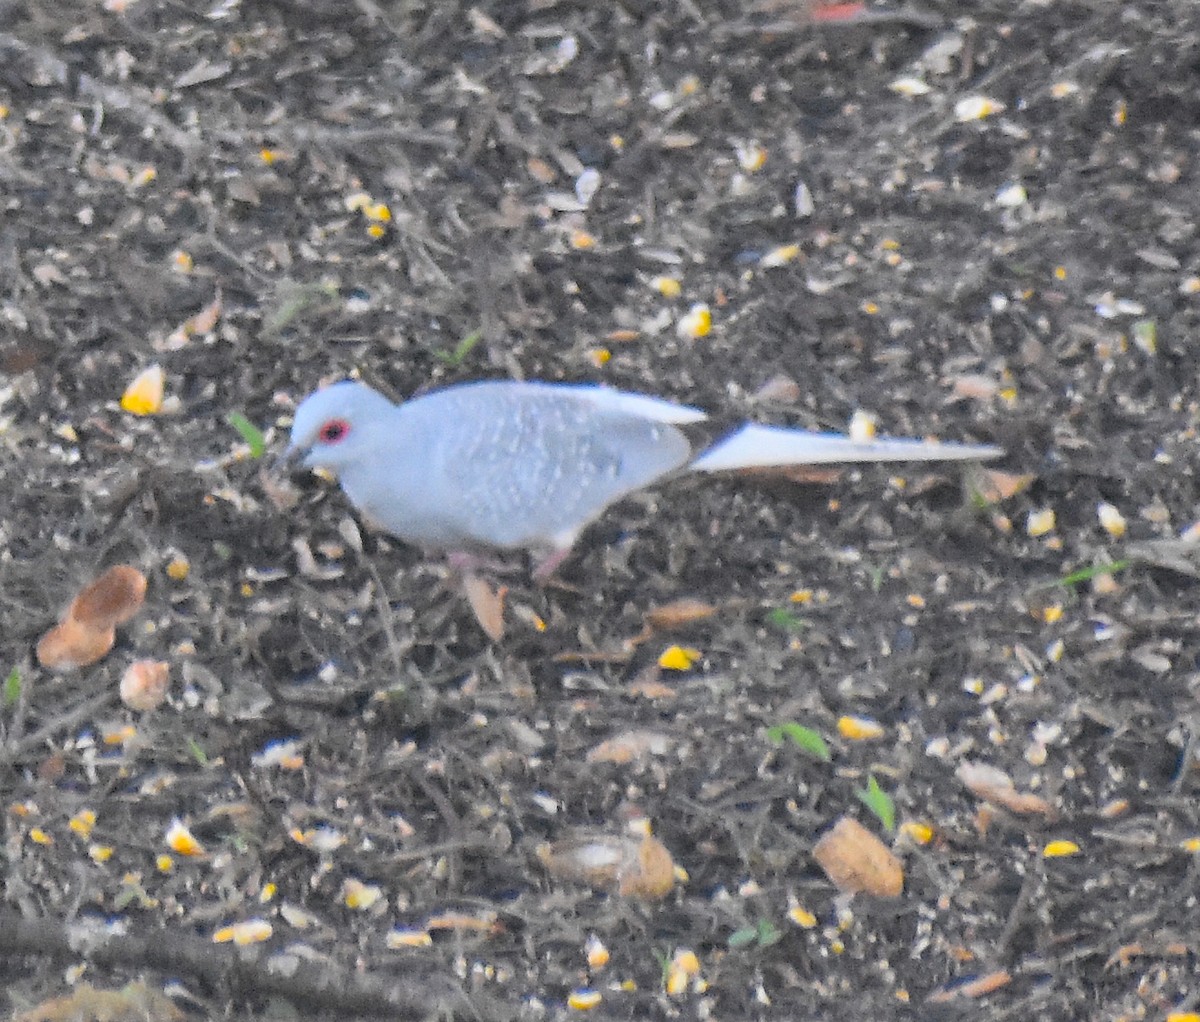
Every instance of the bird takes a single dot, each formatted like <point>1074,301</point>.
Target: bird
<point>527,465</point>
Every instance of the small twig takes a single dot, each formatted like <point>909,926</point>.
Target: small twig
<point>1016,915</point>
<point>351,137</point>
<point>810,16</point>
<point>384,608</point>
<point>249,971</point>
<point>14,749</point>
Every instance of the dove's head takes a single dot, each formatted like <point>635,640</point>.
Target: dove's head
<point>337,428</point>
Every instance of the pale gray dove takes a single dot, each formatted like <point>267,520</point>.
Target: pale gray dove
<point>510,465</point>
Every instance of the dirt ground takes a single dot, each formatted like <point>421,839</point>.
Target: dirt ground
<point>978,224</point>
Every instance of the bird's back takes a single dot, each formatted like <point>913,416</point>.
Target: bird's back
<point>510,464</point>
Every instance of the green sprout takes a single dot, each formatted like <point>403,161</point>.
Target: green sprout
<point>764,933</point>
<point>803,737</point>
<point>879,802</point>
<point>786,621</point>
<point>1087,574</point>
<point>461,350</point>
<point>248,432</point>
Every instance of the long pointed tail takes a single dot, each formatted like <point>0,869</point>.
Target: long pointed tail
<point>773,446</point>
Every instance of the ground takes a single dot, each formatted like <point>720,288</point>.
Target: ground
<point>262,197</point>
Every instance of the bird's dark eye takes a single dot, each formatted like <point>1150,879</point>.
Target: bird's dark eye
<point>334,431</point>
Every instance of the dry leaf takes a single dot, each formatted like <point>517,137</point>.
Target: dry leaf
<point>651,875</point>
<point>112,600</point>
<point>994,486</point>
<point>88,629</point>
<point>71,644</point>
<point>144,684</point>
<point>857,861</point>
<point>629,746</point>
<point>994,785</point>
<point>637,867</point>
<point>487,604</point>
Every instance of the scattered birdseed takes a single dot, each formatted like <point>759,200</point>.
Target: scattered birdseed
<point>976,108</point>
<point>144,395</point>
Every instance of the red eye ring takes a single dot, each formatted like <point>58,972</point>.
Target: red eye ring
<point>334,431</point>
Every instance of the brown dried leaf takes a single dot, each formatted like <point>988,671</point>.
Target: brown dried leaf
<point>625,336</point>
<point>857,861</point>
<point>206,319</point>
<point>650,874</point>
<point>994,785</point>
<point>112,600</point>
<point>71,644</point>
<point>636,867</point>
<point>52,768</point>
<point>629,746</point>
<point>593,861</point>
<point>995,486</point>
<point>144,684</point>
